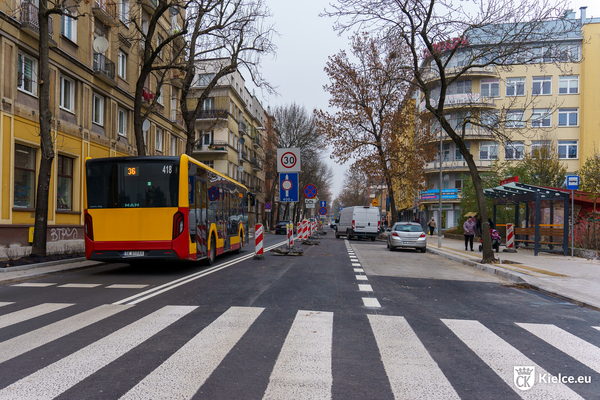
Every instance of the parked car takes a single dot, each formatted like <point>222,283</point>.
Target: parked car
<point>407,235</point>
<point>281,228</point>
<point>359,222</point>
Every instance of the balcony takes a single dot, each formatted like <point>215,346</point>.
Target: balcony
<point>30,21</point>
<point>257,141</point>
<point>105,11</point>
<point>149,5</point>
<point>177,77</point>
<point>177,117</point>
<point>487,71</point>
<point>474,133</point>
<point>218,146</point>
<point>461,100</point>
<point>456,165</point>
<point>242,128</point>
<point>256,164</point>
<point>212,114</point>
<point>104,69</point>
<point>147,97</point>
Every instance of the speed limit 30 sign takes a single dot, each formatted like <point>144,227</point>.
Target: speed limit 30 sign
<point>288,160</point>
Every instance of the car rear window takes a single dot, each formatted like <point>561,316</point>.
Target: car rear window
<point>409,228</point>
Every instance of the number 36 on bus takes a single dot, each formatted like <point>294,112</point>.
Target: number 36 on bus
<point>161,208</point>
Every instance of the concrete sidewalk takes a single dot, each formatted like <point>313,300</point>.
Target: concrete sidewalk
<point>574,279</point>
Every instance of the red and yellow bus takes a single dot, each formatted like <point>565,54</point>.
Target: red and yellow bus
<point>161,208</point>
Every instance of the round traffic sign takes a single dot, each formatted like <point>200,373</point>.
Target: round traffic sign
<point>288,160</point>
<point>322,210</point>
<point>286,184</point>
<point>213,193</point>
<point>310,191</point>
<point>267,206</point>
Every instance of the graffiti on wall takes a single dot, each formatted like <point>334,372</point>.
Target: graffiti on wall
<point>57,234</point>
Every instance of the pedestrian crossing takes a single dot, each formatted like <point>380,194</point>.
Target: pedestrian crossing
<point>304,367</point>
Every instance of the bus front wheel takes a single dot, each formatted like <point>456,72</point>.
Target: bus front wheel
<point>212,253</point>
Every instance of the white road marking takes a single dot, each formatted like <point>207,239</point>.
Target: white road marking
<point>29,313</point>
<point>412,372</point>
<point>365,288</point>
<point>362,277</point>
<point>356,264</point>
<point>502,358</point>
<point>303,367</point>
<point>186,371</point>
<point>6,303</point>
<point>371,302</point>
<point>138,298</point>
<point>359,270</point>
<point>596,327</point>
<point>81,285</point>
<point>56,378</point>
<point>120,286</point>
<point>579,349</point>
<point>31,340</point>
<point>31,284</point>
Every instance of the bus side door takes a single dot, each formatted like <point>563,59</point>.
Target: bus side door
<point>201,212</point>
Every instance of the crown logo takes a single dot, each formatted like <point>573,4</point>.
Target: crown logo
<point>524,371</point>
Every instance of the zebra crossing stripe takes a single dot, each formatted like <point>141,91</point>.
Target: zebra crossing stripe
<point>56,378</point>
<point>31,340</point>
<point>6,303</point>
<point>303,367</point>
<point>579,349</point>
<point>185,372</point>
<point>29,313</point>
<point>412,372</point>
<point>502,358</point>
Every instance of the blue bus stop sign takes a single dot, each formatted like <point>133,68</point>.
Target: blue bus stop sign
<point>573,182</point>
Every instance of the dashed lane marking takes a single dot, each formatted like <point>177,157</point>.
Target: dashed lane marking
<point>365,288</point>
<point>81,285</point>
<point>362,278</point>
<point>119,286</point>
<point>371,302</point>
<point>31,284</point>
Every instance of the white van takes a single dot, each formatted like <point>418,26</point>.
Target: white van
<point>359,222</point>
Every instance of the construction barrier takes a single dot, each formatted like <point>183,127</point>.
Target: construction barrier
<point>291,235</point>
<point>304,229</point>
<point>510,236</point>
<point>258,239</point>
<point>287,228</point>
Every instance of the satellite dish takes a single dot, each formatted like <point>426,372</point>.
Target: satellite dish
<point>100,45</point>
<point>145,125</point>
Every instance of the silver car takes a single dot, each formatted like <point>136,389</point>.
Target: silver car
<point>407,235</point>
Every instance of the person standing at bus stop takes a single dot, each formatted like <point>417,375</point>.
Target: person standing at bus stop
<point>470,231</point>
<point>432,226</point>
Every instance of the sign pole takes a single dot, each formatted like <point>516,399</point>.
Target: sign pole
<point>572,221</point>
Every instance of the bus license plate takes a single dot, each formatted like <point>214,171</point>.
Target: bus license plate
<point>133,254</point>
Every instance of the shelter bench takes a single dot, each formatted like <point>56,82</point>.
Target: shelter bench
<point>554,233</point>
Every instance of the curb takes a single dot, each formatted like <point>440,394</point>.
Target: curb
<point>511,277</point>
<point>44,264</point>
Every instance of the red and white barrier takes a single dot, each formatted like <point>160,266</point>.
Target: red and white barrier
<point>510,236</point>
<point>258,239</point>
<point>304,229</point>
<point>291,235</point>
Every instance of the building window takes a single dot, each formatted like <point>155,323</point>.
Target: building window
<point>64,191</point>
<point>27,74</point>
<point>568,84</point>
<point>515,86</point>
<point>568,116</point>
<point>514,151</point>
<point>24,186</point>
<point>490,87</point>
<point>173,146</point>
<point>159,139</point>
<point>209,137</point>
<point>541,118</point>
<point>122,122</point>
<point>460,87</point>
<point>490,119</point>
<point>538,145</point>
<point>458,155</point>
<point>205,79</point>
<point>515,119</point>
<point>209,103</point>
<point>69,26</point>
<point>67,87</point>
<point>209,163</point>
<point>541,85</point>
<point>567,149</point>
<point>122,65</point>
<point>488,151</point>
<point>98,109</point>
<point>124,11</point>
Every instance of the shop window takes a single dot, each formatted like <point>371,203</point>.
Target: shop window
<point>64,191</point>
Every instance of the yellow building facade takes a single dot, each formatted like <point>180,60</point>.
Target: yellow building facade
<point>94,65</point>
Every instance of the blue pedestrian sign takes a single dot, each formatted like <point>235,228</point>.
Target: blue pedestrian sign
<point>341,208</point>
<point>573,182</point>
<point>323,203</point>
<point>288,187</point>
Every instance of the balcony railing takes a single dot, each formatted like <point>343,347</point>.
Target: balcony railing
<point>105,11</point>
<point>30,21</point>
<point>217,145</point>
<point>431,73</point>
<point>104,68</point>
<point>456,165</point>
<point>256,164</point>
<point>242,127</point>
<point>147,96</point>
<point>212,114</point>
<point>177,117</point>
<point>460,100</point>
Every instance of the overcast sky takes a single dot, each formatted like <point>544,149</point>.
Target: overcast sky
<point>305,42</point>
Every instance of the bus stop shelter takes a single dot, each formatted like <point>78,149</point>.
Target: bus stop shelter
<point>515,194</point>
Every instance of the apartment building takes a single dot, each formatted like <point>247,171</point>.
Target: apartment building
<point>552,102</point>
<point>94,65</point>
<point>230,131</point>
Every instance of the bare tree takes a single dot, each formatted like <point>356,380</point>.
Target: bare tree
<point>448,42</point>
<point>355,191</point>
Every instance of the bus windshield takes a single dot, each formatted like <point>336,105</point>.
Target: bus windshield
<point>132,183</point>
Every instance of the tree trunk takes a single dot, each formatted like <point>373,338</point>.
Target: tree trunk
<point>47,148</point>
<point>488,252</point>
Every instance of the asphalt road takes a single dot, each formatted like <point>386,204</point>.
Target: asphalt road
<point>347,320</point>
